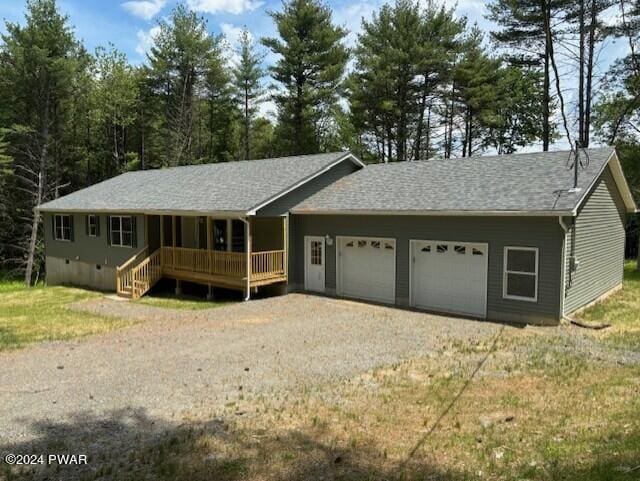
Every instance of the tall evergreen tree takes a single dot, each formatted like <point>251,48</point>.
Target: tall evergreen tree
<point>179,61</point>
<point>37,64</point>
<point>309,73</point>
<point>247,76</point>
<point>524,32</point>
<point>115,98</point>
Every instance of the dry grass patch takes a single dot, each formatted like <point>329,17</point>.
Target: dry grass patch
<point>424,419</point>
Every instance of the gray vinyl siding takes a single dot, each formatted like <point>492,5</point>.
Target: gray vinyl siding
<point>599,245</point>
<point>92,250</point>
<point>282,205</point>
<point>544,233</point>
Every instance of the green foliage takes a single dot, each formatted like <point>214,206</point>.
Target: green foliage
<point>184,62</point>
<point>247,76</point>
<point>310,72</point>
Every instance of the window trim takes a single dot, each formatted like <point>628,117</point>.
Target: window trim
<point>55,227</point>
<point>111,243</point>
<point>95,219</point>
<point>506,272</point>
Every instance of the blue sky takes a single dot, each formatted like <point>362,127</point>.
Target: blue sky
<point>129,24</point>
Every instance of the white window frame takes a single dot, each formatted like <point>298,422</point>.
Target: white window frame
<point>55,227</point>
<point>94,225</point>
<point>506,272</point>
<point>111,231</point>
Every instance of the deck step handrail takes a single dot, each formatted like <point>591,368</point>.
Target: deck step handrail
<point>124,280</point>
<point>145,275</point>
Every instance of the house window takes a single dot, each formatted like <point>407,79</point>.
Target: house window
<point>316,253</point>
<point>121,231</point>
<point>62,227</point>
<point>92,225</point>
<point>520,273</point>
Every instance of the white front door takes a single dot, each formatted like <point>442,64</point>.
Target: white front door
<point>450,276</point>
<point>367,268</point>
<point>314,263</point>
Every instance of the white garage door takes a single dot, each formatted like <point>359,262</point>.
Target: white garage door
<point>450,277</point>
<point>367,268</point>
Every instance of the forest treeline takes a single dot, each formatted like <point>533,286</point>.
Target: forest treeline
<point>420,83</point>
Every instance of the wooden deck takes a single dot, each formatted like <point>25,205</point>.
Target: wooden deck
<point>215,268</point>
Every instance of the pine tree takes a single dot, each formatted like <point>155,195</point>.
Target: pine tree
<point>524,31</point>
<point>247,82</point>
<point>115,97</point>
<point>309,73</point>
<point>38,62</point>
<point>179,60</point>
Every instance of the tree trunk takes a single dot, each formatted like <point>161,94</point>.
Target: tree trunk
<point>581,29</point>
<point>590,61</point>
<point>247,152</point>
<point>35,222</point>
<point>638,259</point>
<point>546,128</point>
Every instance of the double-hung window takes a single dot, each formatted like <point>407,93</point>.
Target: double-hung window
<point>121,231</point>
<point>62,227</point>
<point>520,281</point>
<point>92,225</point>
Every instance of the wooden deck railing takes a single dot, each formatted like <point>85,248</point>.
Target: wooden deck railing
<point>264,264</point>
<point>204,262</point>
<point>267,264</point>
<point>136,276</point>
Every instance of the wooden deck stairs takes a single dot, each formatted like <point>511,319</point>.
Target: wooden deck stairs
<point>136,277</point>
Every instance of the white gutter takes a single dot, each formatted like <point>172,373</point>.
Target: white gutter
<point>247,248</point>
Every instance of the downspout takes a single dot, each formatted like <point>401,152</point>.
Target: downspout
<point>563,293</point>
<point>247,249</point>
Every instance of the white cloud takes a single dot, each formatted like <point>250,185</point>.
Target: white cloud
<point>350,17</point>
<point>146,9</point>
<point>235,7</point>
<point>145,40</point>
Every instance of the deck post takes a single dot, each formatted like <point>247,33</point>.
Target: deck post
<point>285,246</point>
<point>161,231</point>
<point>210,293</point>
<point>178,288</point>
<point>173,238</point>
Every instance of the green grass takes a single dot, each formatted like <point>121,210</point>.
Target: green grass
<point>185,302</point>
<point>42,314</point>
<point>622,311</point>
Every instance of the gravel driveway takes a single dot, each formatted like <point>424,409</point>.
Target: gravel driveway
<point>183,361</point>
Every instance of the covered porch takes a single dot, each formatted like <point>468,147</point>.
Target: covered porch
<point>232,253</point>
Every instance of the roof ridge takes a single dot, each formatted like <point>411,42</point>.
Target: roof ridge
<point>484,157</point>
<point>235,162</point>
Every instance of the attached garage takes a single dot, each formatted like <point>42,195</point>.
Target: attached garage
<point>366,268</point>
<point>449,276</point>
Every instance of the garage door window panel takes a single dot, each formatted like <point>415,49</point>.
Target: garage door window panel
<point>521,273</point>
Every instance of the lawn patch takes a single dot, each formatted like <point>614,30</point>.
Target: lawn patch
<point>36,314</point>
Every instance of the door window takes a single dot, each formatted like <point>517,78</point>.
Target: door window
<point>316,253</point>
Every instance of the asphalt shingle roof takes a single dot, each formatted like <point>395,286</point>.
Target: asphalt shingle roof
<point>229,186</point>
<point>520,182</point>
